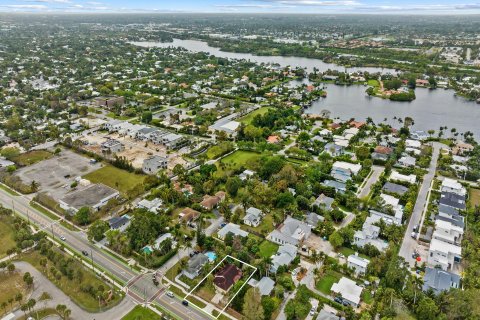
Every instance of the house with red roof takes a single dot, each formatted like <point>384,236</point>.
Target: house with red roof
<point>227,277</point>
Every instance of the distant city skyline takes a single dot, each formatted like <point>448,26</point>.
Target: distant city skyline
<point>246,6</point>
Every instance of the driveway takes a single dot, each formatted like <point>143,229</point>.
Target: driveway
<point>42,284</point>
<point>409,244</point>
<point>377,172</point>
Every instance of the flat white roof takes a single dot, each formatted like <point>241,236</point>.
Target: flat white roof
<point>353,167</point>
<point>348,289</point>
<point>440,246</point>
<point>401,177</point>
<point>353,258</point>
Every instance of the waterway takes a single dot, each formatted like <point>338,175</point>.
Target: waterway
<point>430,110</point>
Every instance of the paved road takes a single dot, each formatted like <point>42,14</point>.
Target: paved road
<point>42,284</point>
<point>409,244</point>
<point>377,171</point>
<point>78,242</point>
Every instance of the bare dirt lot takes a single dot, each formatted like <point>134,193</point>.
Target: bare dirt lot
<point>135,151</point>
<point>55,175</point>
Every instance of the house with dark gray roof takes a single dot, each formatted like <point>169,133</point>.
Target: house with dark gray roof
<point>439,280</point>
<point>195,265</point>
<point>395,188</point>
<point>324,202</point>
<point>453,200</point>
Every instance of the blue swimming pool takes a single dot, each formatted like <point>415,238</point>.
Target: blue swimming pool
<point>211,256</point>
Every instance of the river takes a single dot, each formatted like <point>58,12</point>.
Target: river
<point>430,110</point>
<point>308,63</point>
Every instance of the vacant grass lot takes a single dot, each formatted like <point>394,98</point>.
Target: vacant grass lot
<point>141,313</point>
<point>118,179</point>
<point>474,197</point>
<point>268,249</point>
<point>326,282</point>
<point>236,160</point>
<point>72,287</point>
<point>31,157</point>
<point>11,283</point>
<point>249,117</point>
<point>6,236</point>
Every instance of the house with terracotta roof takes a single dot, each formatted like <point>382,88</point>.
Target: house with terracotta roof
<point>357,124</point>
<point>383,150</point>
<point>273,139</point>
<point>227,277</point>
<point>209,202</point>
<point>188,215</point>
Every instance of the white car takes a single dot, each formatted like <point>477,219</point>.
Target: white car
<point>63,238</point>
<point>170,294</point>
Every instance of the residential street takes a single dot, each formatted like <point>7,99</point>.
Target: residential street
<point>409,244</point>
<point>377,172</point>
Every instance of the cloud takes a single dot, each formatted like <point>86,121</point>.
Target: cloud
<point>49,1</point>
<point>24,6</point>
<point>315,3</point>
<point>421,7</point>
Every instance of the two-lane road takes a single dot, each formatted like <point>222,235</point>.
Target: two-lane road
<point>409,244</point>
<point>78,241</point>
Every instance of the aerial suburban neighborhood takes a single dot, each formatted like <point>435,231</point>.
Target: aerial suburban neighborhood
<point>238,166</point>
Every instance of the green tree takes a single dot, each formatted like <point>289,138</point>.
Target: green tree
<point>82,216</point>
<point>427,309</point>
<point>97,230</point>
<point>336,239</point>
<point>147,117</point>
<point>252,307</point>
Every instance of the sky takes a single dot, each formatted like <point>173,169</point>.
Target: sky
<point>247,6</point>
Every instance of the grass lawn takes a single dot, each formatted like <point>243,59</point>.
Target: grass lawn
<point>10,191</point>
<point>10,285</point>
<point>31,157</point>
<point>247,119</point>
<point>116,178</point>
<point>236,160</point>
<point>268,249</point>
<point>349,251</point>
<point>326,282</point>
<point>367,296</point>
<point>114,116</point>
<point>190,298</point>
<point>474,198</point>
<point>6,236</point>
<point>373,83</point>
<point>141,313</point>
<point>72,287</point>
<point>173,271</point>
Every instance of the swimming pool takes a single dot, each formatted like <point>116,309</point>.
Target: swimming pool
<point>212,256</point>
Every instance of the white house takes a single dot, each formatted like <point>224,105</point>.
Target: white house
<point>413,144</point>
<point>150,205</point>
<point>453,186</point>
<point>253,217</point>
<point>443,254</point>
<point>396,176</point>
<point>232,228</point>
<point>357,263</point>
<point>448,232</point>
<point>348,290</point>
<point>292,232</point>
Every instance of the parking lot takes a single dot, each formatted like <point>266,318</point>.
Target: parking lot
<point>55,175</point>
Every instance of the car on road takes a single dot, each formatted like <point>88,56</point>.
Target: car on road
<point>223,224</point>
<point>63,238</point>
<point>415,228</point>
<point>414,235</point>
<point>85,253</point>
<point>185,303</point>
<point>170,294</point>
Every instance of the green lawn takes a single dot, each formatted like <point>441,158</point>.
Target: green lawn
<point>118,179</point>
<point>41,314</point>
<point>373,83</point>
<point>31,157</point>
<point>474,197</point>
<point>141,313</point>
<point>326,282</point>
<point>249,117</point>
<point>6,236</point>
<point>265,227</point>
<point>367,296</point>
<point>10,191</point>
<point>236,160</point>
<point>268,249</point>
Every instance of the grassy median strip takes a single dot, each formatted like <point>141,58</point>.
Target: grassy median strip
<point>141,313</point>
<point>10,191</point>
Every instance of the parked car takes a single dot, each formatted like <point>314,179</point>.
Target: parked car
<point>84,252</point>
<point>170,294</point>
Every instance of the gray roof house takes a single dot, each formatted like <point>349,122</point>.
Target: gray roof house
<point>324,202</point>
<point>152,164</point>
<point>313,219</point>
<point>339,186</point>
<point>325,315</point>
<point>292,232</point>
<point>284,256</point>
<point>439,280</point>
<point>195,265</point>
<point>253,217</point>
<point>264,286</point>
<point>232,228</point>
<point>395,188</point>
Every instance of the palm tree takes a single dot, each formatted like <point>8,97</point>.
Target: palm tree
<point>417,284</point>
<point>34,186</point>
